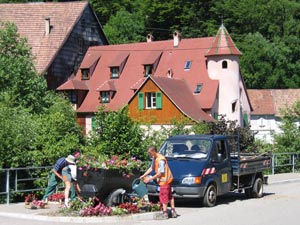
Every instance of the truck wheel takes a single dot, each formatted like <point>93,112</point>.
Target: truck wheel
<point>258,185</point>
<point>116,197</point>
<point>210,197</point>
<point>153,199</point>
<point>248,192</point>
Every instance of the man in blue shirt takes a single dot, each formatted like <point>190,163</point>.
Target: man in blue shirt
<point>56,176</point>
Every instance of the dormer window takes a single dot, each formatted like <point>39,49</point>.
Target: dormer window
<point>150,62</point>
<point>107,91</point>
<point>114,72</point>
<point>198,88</point>
<point>117,64</point>
<point>72,96</point>
<point>148,70</point>
<point>104,96</point>
<point>187,65</point>
<point>224,64</point>
<point>85,74</point>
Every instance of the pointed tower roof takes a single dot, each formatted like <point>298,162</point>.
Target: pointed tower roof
<point>223,44</point>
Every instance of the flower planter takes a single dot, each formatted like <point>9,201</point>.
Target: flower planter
<point>101,182</point>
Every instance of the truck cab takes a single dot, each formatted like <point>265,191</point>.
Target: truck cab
<point>202,168</point>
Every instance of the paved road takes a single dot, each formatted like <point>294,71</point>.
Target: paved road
<point>279,206</point>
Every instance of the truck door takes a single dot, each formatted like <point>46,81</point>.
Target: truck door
<point>221,161</point>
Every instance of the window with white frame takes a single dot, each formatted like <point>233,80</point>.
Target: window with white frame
<point>151,100</point>
<point>114,72</point>
<point>104,96</point>
<point>187,65</point>
<point>198,88</point>
<point>85,74</point>
<point>148,69</point>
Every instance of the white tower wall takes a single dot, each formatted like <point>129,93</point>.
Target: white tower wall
<point>229,85</point>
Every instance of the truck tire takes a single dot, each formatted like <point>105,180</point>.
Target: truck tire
<point>116,197</point>
<point>256,191</point>
<point>258,188</point>
<point>153,199</point>
<point>248,192</point>
<point>210,197</point>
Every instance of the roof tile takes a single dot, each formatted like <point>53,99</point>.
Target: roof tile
<point>30,20</point>
<point>132,75</point>
<point>223,44</point>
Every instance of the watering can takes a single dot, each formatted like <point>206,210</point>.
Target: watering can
<point>139,187</point>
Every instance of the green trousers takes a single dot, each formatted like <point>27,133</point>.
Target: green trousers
<point>52,183</point>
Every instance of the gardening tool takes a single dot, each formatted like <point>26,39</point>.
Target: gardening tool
<point>139,187</point>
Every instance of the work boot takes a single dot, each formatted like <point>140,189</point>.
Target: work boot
<point>173,214</point>
<point>162,216</point>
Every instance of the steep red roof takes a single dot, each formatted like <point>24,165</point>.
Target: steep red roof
<point>261,101</point>
<point>132,75</point>
<point>186,103</point>
<point>30,20</point>
<point>284,98</point>
<point>272,101</point>
<point>73,85</point>
<point>107,86</point>
<point>223,44</point>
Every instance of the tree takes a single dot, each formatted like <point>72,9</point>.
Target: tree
<point>125,27</point>
<point>37,126</point>
<point>18,78</point>
<point>289,139</point>
<point>264,64</point>
<point>117,134</point>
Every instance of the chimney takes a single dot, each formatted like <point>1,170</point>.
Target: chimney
<point>176,38</point>
<point>150,38</point>
<point>47,26</point>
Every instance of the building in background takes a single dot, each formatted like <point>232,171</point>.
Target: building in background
<point>267,105</point>
<point>197,79</point>
<point>59,34</point>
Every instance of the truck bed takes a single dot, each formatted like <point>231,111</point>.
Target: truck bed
<point>250,163</point>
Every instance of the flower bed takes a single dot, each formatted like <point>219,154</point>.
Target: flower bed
<point>126,165</point>
<point>93,207</point>
<point>99,175</point>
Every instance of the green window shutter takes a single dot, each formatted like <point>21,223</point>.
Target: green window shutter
<point>215,116</point>
<point>158,100</point>
<point>94,126</point>
<point>141,100</point>
<point>245,119</point>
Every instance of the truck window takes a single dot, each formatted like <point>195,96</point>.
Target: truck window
<point>194,148</point>
<point>219,148</point>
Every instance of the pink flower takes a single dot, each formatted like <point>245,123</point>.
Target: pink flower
<point>77,154</point>
<point>115,157</point>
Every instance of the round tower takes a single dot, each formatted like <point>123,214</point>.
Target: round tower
<point>223,64</point>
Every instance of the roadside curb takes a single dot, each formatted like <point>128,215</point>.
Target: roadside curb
<point>284,181</point>
<point>104,219</point>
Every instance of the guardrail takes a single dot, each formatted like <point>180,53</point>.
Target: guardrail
<point>281,162</point>
<point>285,162</point>
<point>15,177</point>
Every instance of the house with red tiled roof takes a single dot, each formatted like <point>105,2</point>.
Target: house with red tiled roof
<point>59,34</point>
<point>267,106</point>
<point>197,79</point>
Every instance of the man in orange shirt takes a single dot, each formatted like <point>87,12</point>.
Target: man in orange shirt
<point>164,178</point>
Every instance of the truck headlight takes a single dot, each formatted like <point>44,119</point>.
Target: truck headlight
<point>191,180</point>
